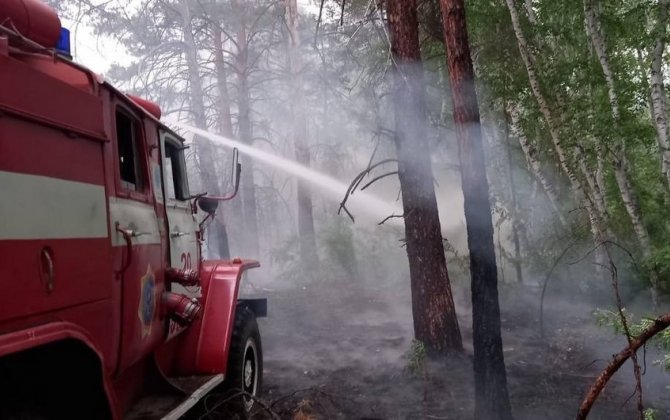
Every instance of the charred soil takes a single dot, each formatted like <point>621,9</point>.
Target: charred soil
<point>349,355</point>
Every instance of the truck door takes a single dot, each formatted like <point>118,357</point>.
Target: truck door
<point>136,238</point>
<point>182,225</point>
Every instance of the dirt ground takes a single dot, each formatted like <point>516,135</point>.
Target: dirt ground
<point>343,354</point>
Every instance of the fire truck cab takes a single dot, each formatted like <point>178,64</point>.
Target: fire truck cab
<point>107,308</point>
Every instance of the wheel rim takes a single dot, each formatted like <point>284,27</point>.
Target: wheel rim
<point>250,372</point>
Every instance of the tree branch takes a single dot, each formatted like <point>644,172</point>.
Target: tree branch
<point>357,181</point>
<point>660,324</point>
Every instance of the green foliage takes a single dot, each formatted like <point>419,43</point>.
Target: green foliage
<point>572,81</point>
<point>660,261</point>
<point>611,318</point>
<point>650,414</point>
<point>416,358</point>
<point>337,242</point>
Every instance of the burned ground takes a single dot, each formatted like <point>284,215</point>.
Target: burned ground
<point>347,355</point>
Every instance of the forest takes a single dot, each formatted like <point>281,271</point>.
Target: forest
<point>461,207</point>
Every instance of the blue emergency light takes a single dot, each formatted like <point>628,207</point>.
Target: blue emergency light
<point>63,45</point>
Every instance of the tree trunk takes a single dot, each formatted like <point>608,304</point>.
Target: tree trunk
<point>598,218</point>
<point>225,118</point>
<point>547,113</point>
<point>308,252</point>
<point>659,99</point>
<point>203,148</point>
<point>532,17</point>
<point>620,161</point>
<point>597,39</point>
<point>491,396</point>
<point>225,124</point>
<point>518,227</point>
<point>245,134</point>
<point>554,130</point>
<point>530,152</point>
<point>600,172</point>
<point>435,321</point>
<point>596,194</point>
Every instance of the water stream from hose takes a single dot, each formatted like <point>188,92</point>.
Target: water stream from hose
<point>360,201</point>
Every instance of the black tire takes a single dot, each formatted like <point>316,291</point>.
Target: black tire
<point>245,363</point>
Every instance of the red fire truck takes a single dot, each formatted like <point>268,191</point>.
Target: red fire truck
<point>107,309</point>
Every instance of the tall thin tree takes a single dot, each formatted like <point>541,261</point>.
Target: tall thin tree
<point>245,131</point>
<point>491,396</point>
<point>305,216</point>
<point>204,148</point>
<point>435,321</point>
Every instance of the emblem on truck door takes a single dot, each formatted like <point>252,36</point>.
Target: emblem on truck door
<point>147,305</point>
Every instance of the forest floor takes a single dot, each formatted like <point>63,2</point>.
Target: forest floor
<point>345,355</point>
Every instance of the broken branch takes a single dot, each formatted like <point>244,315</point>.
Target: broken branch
<point>660,324</point>
<point>357,181</point>
<point>378,178</point>
<point>393,216</point>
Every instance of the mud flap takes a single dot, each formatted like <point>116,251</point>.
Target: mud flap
<point>258,306</point>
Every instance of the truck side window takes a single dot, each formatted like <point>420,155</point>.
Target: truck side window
<point>129,161</point>
<point>175,171</point>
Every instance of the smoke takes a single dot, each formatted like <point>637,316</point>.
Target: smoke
<point>344,330</point>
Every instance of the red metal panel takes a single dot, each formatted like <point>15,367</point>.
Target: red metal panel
<point>151,107</point>
<point>207,342</point>
<point>90,317</point>
<point>31,93</point>
<point>138,338</point>
<point>64,71</point>
<point>34,149</point>
<point>82,273</point>
<point>128,386</point>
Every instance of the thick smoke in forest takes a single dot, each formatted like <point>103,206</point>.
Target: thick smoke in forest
<point>574,127</point>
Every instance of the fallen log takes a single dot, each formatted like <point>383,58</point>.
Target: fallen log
<point>619,359</point>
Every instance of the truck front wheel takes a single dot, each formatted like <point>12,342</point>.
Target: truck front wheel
<point>245,363</point>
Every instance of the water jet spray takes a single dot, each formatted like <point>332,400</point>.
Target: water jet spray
<point>361,201</point>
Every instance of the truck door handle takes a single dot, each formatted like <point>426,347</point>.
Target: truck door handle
<point>130,232</point>
<point>177,234</point>
<point>127,235</point>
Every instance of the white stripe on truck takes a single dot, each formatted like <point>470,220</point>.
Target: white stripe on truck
<point>134,216</point>
<point>40,207</point>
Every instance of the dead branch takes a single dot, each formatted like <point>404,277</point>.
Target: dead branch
<point>357,181</point>
<point>318,22</point>
<point>624,323</point>
<point>659,324</point>
<point>291,395</point>
<point>219,403</point>
<point>393,216</point>
<point>375,179</point>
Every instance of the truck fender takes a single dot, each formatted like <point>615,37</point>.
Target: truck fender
<point>33,337</point>
<point>207,340</point>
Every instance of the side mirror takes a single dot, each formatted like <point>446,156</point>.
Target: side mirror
<point>208,204</point>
